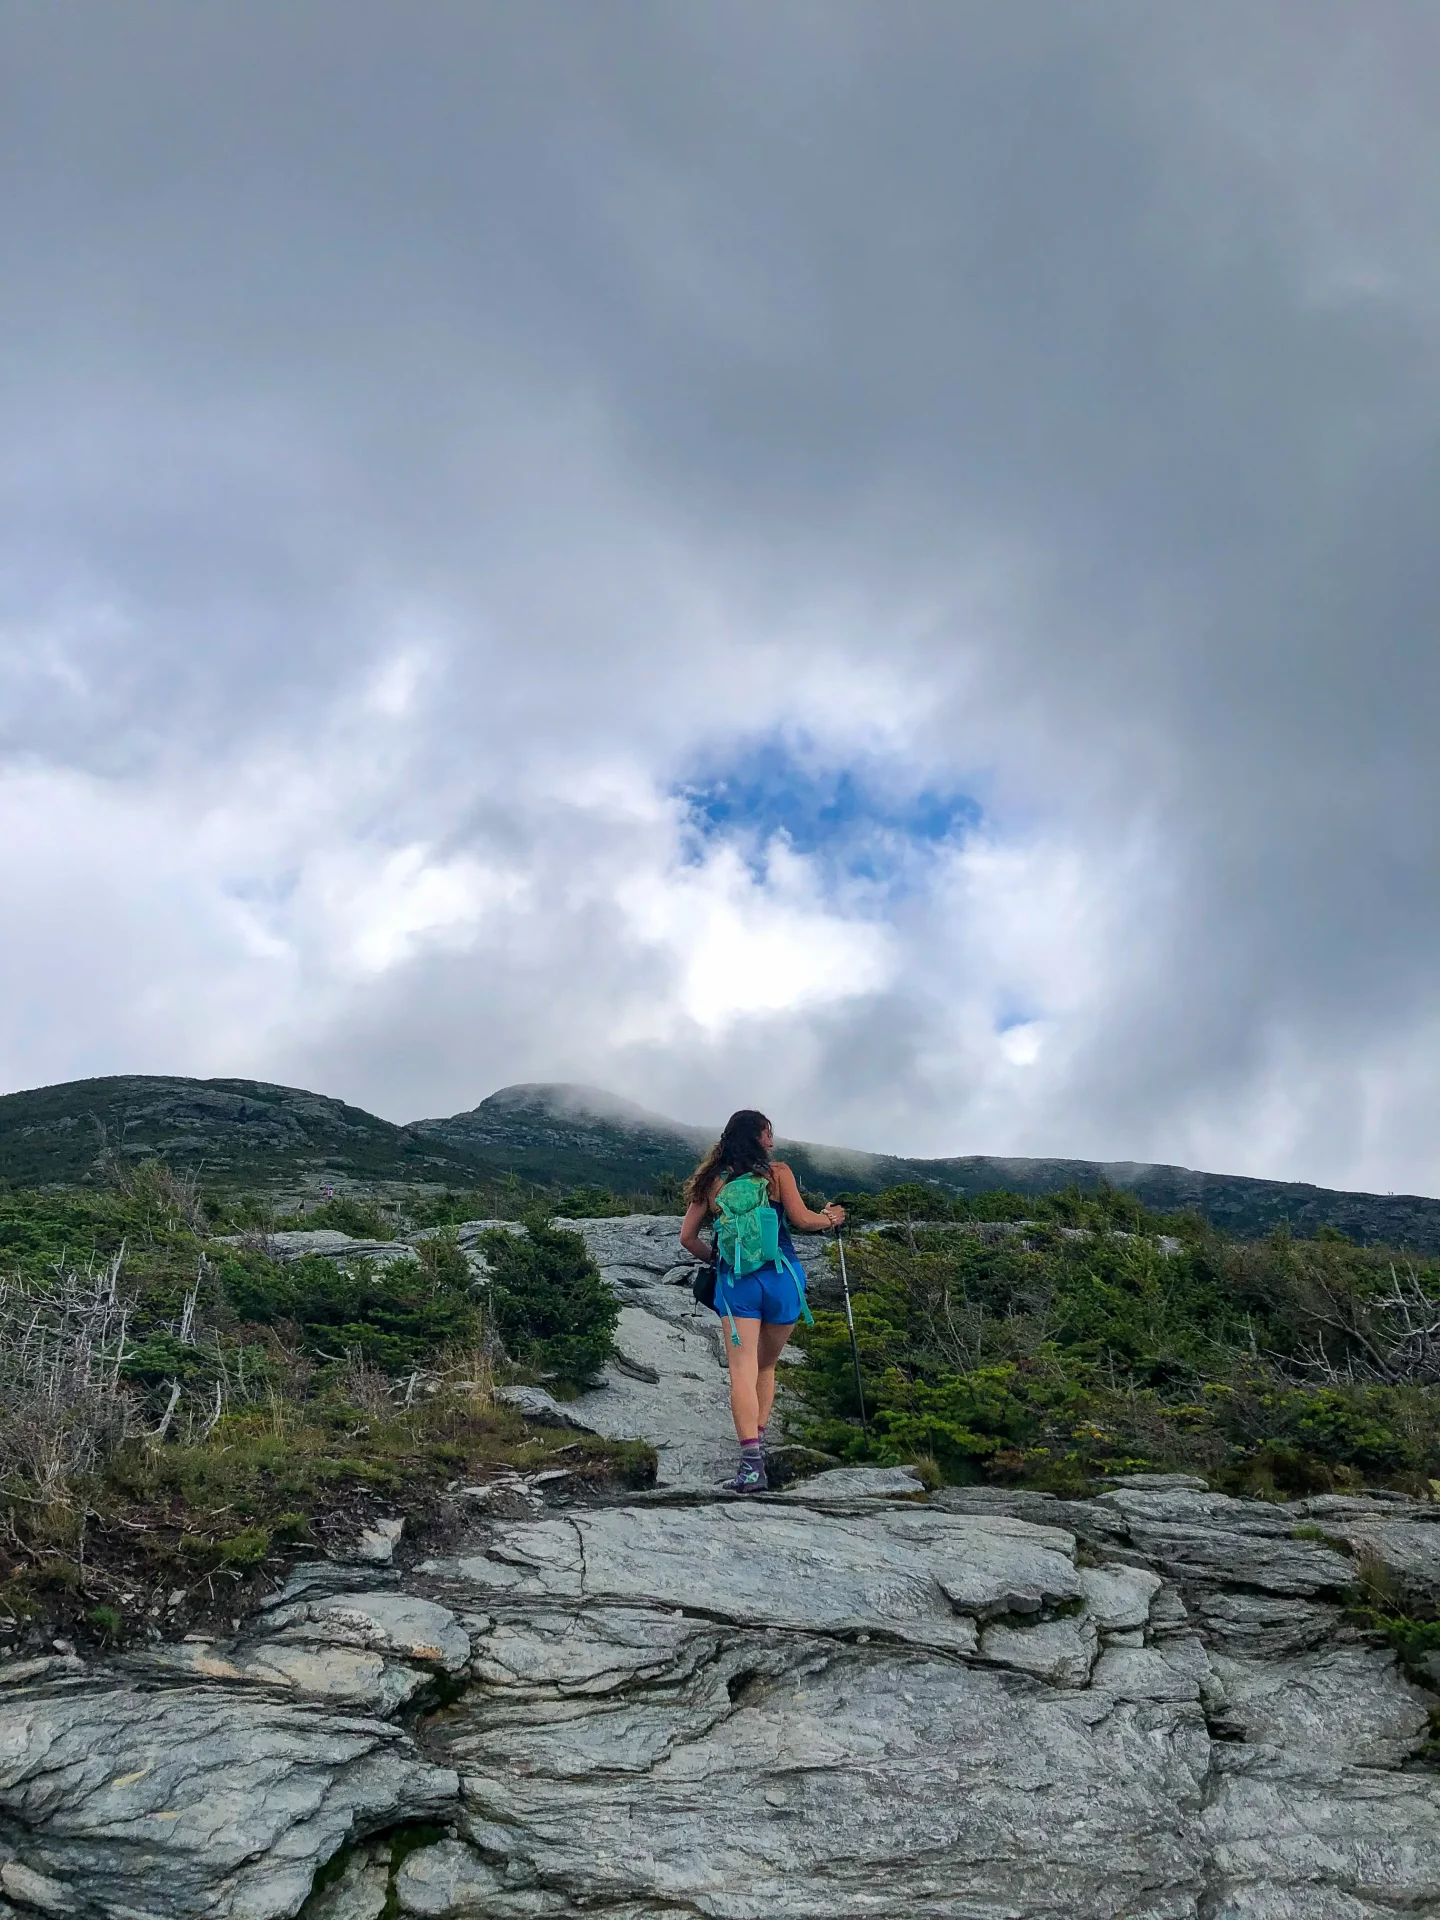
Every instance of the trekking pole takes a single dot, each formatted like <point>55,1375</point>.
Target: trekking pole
<point>850,1322</point>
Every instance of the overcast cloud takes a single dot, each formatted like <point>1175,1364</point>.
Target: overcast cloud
<point>875,560</point>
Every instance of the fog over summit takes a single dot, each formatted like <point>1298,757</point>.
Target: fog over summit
<point>874,563</point>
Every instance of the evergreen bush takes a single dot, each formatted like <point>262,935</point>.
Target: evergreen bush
<point>1278,1368</point>
<point>548,1302</point>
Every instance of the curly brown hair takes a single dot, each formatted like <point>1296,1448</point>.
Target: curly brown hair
<point>737,1151</point>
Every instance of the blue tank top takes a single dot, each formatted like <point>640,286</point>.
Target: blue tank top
<point>787,1245</point>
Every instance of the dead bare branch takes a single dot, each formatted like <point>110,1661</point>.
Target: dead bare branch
<point>64,1403</point>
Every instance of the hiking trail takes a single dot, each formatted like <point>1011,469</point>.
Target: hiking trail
<point>845,1701</point>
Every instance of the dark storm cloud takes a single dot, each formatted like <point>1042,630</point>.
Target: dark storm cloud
<point>427,435</point>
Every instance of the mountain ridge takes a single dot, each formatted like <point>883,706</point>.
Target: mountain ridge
<point>239,1130</point>
<point>543,1130</point>
<point>567,1134</point>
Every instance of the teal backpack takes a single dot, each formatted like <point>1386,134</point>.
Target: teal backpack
<point>747,1237</point>
<point>747,1228</point>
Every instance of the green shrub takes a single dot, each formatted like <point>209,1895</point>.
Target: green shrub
<point>1055,1359</point>
<point>442,1261</point>
<point>591,1203</point>
<point>504,1198</point>
<point>161,1357</point>
<point>246,1548</point>
<point>345,1215</point>
<point>1350,1424</point>
<point>958,1418</point>
<point>860,1208</point>
<point>998,1205</point>
<point>395,1317</point>
<point>913,1201</point>
<point>548,1302</point>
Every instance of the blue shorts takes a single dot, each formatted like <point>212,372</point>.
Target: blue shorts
<point>771,1294</point>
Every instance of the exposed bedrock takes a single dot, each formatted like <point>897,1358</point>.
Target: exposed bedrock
<point>848,1700</point>
<point>835,1702</point>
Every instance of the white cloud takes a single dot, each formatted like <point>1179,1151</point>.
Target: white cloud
<point>394,686</point>
<point>390,515</point>
<point>124,950</point>
<point>382,909</point>
<point>747,946</point>
<point>1021,1044</point>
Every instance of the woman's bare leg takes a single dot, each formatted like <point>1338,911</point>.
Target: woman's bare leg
<point>769,1348</point>
<point>744,1371</point>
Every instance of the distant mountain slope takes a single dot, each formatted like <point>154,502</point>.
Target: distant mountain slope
<point>250,1132</point>
<point>575,1135</point>
<point>242,1130</point>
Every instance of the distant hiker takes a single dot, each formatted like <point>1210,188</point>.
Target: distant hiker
<point>759,1287</point>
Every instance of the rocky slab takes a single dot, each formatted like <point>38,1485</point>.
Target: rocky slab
<point>1349,1703</point>
<point>846,1782</point>
<point>922,1577</point>
<point>123,1804</point>
<point>685,1400</point>
<point>853,1700</point>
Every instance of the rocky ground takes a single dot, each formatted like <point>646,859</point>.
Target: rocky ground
<point>846,1699</point>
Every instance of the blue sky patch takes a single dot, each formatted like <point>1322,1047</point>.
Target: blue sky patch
<point>859,820</point>
<point>1011,1017</point>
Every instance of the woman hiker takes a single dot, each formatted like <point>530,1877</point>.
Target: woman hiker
<point>759,1286</point>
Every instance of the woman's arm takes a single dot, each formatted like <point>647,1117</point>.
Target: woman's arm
<point>690,1240</point>
<point>796,1211</point>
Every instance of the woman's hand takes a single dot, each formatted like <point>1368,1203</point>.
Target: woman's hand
<point>833,1214</point>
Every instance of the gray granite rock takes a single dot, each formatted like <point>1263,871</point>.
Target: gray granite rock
<point>594,1651</point>
<point>398,1624</point>
<point>446,1880</point>
<point>647,1242</point>
<point>26,1673</point>
<point>685,1408</point>
<point>833,1781</point>
<point>646,1692</point>
<point>376,1545</point>
<point>1261,1625</point>
<point>361,1890</point>
<point>916,1575</point>
<point>1117,1598</point>
<point>544,1409</point>
<point>315,1577</point>
<point>343,1676</point>
<point>191,1801</point>
<point>1292,1837</point>
<point>1205,1537</point>
<point>1091,1520</point>
<point>1145,1673</point>
<point>1349,1703</point>
<point>1061,1651</point>
<point>1161,1482</point>
<point>297,1243</point>
<point>1407,1546</point>
<point>850,1700</point>
<point>843,1484</point>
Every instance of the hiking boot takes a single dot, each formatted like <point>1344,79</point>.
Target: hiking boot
<point>750,1479</point>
